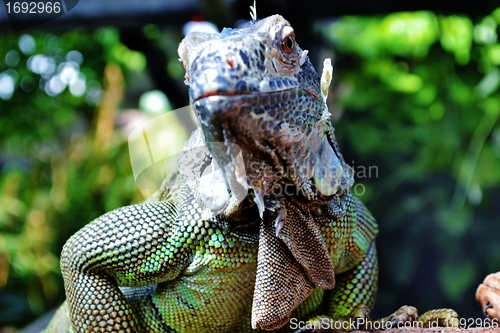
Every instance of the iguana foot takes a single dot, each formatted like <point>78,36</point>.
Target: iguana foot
<point>439,318</point>
<point>407,316</point>
<point>488,296</point>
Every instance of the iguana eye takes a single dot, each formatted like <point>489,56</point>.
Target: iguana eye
<point>288,44</point>
<point>288,37</point>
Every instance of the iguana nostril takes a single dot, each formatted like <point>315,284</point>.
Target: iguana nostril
<point>230,60</point>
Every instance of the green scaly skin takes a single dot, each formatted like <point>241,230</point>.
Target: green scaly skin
<point>200,257</point>
<point>209,284</point>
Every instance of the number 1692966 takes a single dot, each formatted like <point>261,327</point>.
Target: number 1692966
<point>33,7</point>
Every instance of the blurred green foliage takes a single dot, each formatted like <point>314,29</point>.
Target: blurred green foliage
<point>418,95</point>
<point>63,160</point>
<point>416,101</point>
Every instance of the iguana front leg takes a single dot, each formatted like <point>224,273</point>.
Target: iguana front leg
<point>132,246</point>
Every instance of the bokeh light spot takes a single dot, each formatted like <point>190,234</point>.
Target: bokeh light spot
<point>27,44</point>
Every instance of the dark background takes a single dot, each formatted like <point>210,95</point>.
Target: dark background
<point>415,97</point>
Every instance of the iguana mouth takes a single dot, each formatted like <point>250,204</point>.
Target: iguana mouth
<point>219,86</point>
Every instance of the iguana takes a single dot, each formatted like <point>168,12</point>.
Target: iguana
<point>257,229</point>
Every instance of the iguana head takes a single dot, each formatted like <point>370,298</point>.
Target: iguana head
<point>256,89</point>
